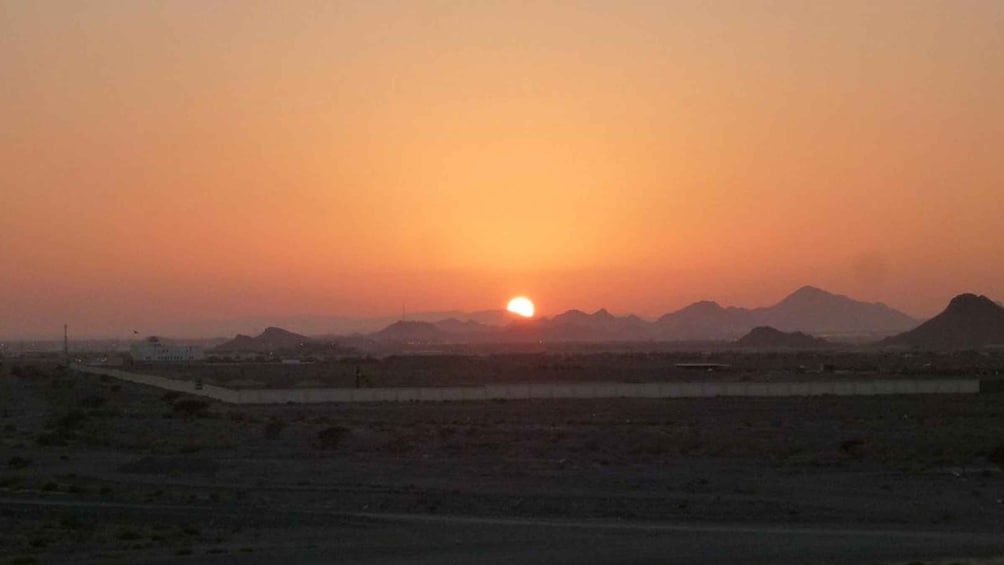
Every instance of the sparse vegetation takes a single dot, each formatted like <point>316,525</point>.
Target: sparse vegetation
<point>612,458</point>
<point>274,427</point>
<point>852,447</point>
<point>71,522</point>
<point>329,438</point>
<point>93,401</point>
<point>997,456</point>
<point>51,439</point>
<point>128,534</point>
<point>18,462</point>
<point>191,407</point>
<point>71,420</point>
<point>8,482</point>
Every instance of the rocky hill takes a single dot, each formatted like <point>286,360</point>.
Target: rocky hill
<point>404,331</point>
<point>272,339</point>
<point>766,337</point>
<point>808,309</point>
<point>969,322</point>
<point>813,310</point>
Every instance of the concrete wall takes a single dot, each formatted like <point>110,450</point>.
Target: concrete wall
<point>159,352</point>
<point>550,390</point>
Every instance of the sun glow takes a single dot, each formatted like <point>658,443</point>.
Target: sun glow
<point>521,306</point>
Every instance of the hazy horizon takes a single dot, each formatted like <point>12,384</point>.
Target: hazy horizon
<point>319,324</point>
<point>172,162</point>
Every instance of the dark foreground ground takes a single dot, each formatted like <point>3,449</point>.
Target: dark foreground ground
<point>98,470</point>
<point>554,367</point>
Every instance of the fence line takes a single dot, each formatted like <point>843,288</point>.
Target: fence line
<point>547,390</point>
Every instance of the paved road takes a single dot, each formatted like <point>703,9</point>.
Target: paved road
<point>383,539</point>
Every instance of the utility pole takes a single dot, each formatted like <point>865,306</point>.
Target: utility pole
<point>66,343</point>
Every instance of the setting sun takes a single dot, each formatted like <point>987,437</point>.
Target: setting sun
<point>521,306</point>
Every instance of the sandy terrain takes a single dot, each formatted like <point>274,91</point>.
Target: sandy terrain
<point>96,469</point>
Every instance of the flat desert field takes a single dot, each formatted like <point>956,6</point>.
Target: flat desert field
<point>94,469</point>
<point>407,370</point>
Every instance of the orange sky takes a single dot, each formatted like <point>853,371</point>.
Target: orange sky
<point>164,161</point>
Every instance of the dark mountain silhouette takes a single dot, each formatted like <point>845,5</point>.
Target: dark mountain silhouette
<point>320,325</point>
<point>814,310</point>
<point>576,325</point>
<point>808,309</point>
<point>969,321</point>
<point>272,339</point>
<point>704,320</point>
<point>573,325</point>
<point>458,327</point>
<point>766,337</point>
<point>415,332</point>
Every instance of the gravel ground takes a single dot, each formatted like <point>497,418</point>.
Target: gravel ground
<point>95,469</point>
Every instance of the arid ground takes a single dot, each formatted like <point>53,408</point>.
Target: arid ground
<point>590,366</point>
<point>99,470</point>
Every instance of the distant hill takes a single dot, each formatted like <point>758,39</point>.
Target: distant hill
<point>415,332</point>
<point>969,321</point>
<point>319,325</point>
<point>466,327</point>
<point>272,339</point>
<point>573,325</point>
<point>576,325</point>
<point>766,337</point>
<point>704,320</point>
<point>810,309</point>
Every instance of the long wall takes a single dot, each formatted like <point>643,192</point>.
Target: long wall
<point>527,390</point>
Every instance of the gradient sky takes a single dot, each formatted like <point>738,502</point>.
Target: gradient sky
<point>164,161</point>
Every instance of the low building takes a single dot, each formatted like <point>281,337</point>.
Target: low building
<point>155,350</point>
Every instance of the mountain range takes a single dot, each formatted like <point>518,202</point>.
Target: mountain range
<point>969,321</point>
<point>808,309</point>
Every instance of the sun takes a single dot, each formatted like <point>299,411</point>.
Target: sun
<point>521,306</point>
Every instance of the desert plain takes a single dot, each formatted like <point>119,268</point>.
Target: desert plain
<point>98,470</point>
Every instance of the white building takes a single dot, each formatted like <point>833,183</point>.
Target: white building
<point>153,350</point>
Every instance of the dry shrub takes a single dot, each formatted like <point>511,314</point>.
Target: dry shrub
<point>71,420</point>
<point>329,438</point>
<point>93,401</point>
<point>191,407</point>
<point>853,447</point>
<point>274,427</point>
<point>997,456</point>
<point>18,462</point>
